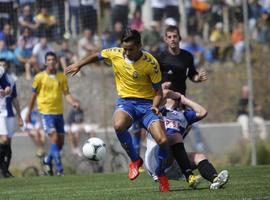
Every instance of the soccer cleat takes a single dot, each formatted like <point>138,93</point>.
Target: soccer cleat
<point>220,180</point>
<point>164,185</point>
<point>7,174</point>
<point>47,168</point>
<point>134,169</point>
<point>194,181</point>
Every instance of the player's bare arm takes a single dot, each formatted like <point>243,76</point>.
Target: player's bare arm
<point>30,106</point>
<point>201,112</point>
<point>157,100</point>
<point>75,68</point>
<point>16,105</point>
<point>71,100</point>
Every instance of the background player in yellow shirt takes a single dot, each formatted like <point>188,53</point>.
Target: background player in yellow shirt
<point>138,83</point>
<point>48,87</point>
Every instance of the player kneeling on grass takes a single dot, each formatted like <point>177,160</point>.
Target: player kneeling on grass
<point>177,122</point>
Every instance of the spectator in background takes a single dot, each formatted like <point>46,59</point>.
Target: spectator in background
<point>88,12</point>
<point>66,56</point>
<point>120,11</point>
<point>117,32</point>
<point>23,60</point>
<point>8,12</point>
<point>74,13</point>
<point>138,5</point>
<point>136,22</point>
<point>243,116</point>
<point>263,27</point>
<point>58,10</point>
<point>31,3</point>
<point>86,44</point>
<point>39,52</point>
<point>29,38</point>
<point>152,39</point>
<point>5,52</point>
<point>235,15</point>
<point>193,46</point>
<point>8,36</point>
<point>172,10</point>
<point>201,8</point>
<point>75,127</point>
<point>105,15</point>
<point>46,24</point>
<point>237,40</point>
<point>35,131</point>
<point>158,8</point>
<point>107,40</point>
<point>217,40</point>
<point>26,19</point>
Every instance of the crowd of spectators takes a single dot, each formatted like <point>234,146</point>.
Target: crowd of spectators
<point>215,30</point>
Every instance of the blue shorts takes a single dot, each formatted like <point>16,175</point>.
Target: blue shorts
<point>138,109</point>
<point>53,123</point>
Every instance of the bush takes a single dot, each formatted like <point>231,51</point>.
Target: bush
<point>241,154</point>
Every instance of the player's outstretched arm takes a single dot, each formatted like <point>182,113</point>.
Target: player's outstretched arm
<point>75,68</point>
<point>201,112</point>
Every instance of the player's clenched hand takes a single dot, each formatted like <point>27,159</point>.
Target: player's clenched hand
<point>76,104</point>
<point>72,69</point>
<point>155,110</point>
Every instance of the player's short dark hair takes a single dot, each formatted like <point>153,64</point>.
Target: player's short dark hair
<point>131,35</point>
<point>172,29</point>
<point>3,60</point>
<point>50,53</point>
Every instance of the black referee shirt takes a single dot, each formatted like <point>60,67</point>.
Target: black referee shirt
<point>176,69</point>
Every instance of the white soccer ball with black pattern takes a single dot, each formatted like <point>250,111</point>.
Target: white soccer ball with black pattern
<point>94,149</point>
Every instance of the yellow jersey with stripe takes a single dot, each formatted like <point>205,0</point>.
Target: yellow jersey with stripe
<point>49,89</point>
<point>133,79</point>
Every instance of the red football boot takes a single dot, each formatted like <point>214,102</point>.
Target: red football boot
<point>164,185</point>
<point>134,169</point>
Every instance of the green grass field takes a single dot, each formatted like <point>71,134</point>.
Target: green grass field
<point>245,183</point>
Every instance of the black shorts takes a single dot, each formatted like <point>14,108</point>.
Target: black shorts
<point>158,14</point>
<point>173,12</point>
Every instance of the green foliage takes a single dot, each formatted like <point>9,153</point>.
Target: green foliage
<point>241,154</point>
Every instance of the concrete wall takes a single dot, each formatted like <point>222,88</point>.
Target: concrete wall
<point>218,139</point>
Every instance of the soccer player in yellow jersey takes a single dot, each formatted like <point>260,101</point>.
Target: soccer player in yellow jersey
<point>138,83</point>
<point>48,87</point>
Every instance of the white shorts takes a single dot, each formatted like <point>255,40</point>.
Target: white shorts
<point>151,163</point>
<point>7,126</point>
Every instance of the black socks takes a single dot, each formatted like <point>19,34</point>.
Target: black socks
<point>180,155</point>
<point>207,170</point>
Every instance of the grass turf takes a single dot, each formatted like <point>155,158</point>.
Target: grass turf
<point>245,183</point>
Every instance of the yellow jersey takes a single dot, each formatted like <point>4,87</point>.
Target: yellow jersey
<point>133,79</point>
<point>49,89</point>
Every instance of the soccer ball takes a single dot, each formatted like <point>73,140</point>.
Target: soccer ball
<point>94,149</point>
